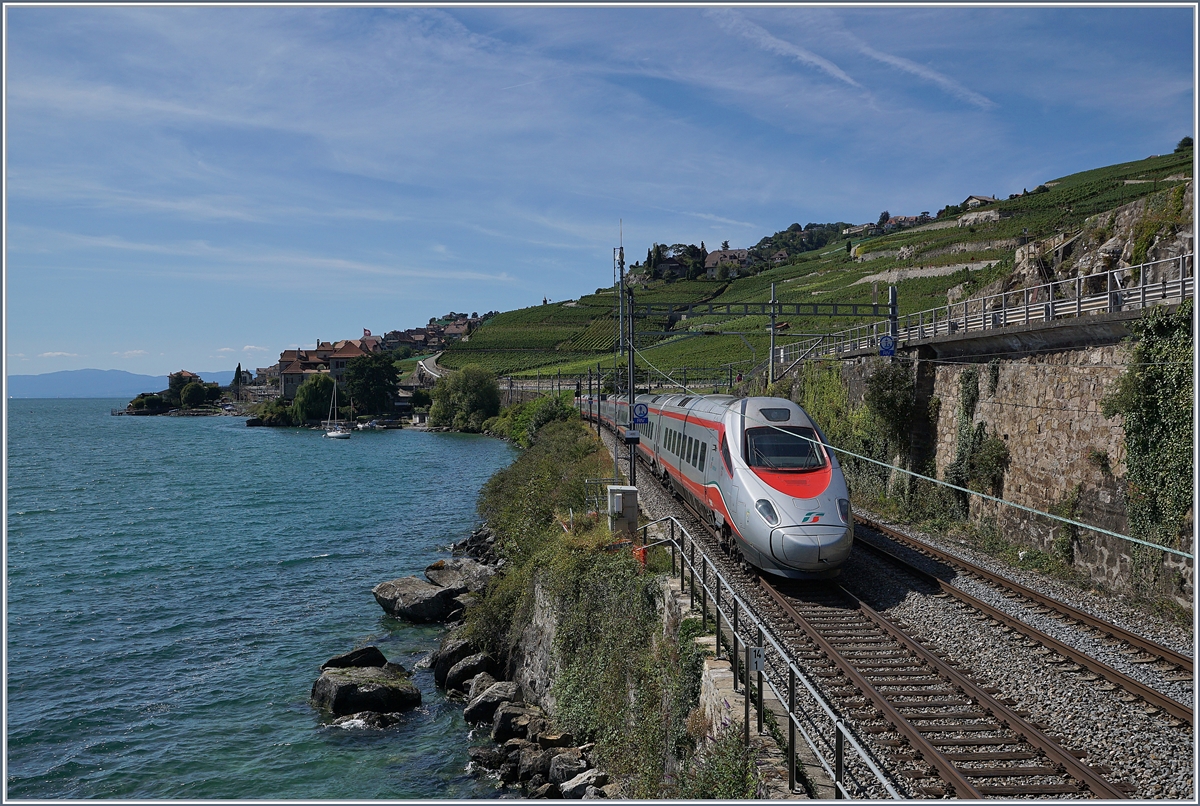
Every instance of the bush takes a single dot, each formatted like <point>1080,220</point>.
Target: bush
<point>193,395</point>
<point>274,412</point>
<point>464,400</point>
<point>889,398</point>
<point>1154,395</point>
<point>312,399</point>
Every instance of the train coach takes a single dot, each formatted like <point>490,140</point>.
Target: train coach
<point>758,468</point>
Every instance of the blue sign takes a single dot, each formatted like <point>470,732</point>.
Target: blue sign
<point>641,414</point>
<point>887,346</point>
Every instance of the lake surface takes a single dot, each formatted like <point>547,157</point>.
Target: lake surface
<point>174,583</point>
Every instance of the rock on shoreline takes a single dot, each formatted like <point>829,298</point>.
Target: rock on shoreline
<point>364,681</point>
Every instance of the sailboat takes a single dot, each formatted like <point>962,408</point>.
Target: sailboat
<point>334,429</point>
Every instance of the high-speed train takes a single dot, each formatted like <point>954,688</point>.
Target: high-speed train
<point>758,467</point>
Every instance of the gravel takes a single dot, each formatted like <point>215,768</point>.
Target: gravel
<point>1151,751</point>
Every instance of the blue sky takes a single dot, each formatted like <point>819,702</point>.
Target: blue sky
<point>193,187</point>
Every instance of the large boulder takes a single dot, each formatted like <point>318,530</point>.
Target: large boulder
<point>490,758</point>
<point>575,788</point>
<point>348,690</point>
<point>461,573</point>
<point>415,599</point>
<point>483,707</point>
<point>462,672</point>
<point>479,684</point>
<point>450,653</point>
<point>367,656</point>
<point>565,766</point>
<point>534,762</point>
<point>514,720</point>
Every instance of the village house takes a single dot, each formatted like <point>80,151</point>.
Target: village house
<point>972,202</point>
<point>734,259</point>
<point>780,257</point>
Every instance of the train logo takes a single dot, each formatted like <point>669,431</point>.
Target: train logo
<point>812,517</point>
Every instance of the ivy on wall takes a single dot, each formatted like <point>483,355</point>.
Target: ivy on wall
<point>1154,395</point>
<point>980,459</point>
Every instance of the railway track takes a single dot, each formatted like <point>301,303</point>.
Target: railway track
<point>942,732</point>
<point>1172,663</point>
<point>948,733</point>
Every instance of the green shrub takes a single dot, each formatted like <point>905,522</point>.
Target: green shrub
<point>313,398</point>
<point>192,395</point>
<point>1154,395</point>
<point>464,400</point>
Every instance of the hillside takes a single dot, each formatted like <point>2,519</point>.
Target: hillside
<point>989,247</point>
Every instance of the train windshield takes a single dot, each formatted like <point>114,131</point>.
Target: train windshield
<point>784,448</point>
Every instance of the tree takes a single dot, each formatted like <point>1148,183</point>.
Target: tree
<point>236,386</point>
<point>464,399</point>
<point>724,244</point>
<point>313,398</point>
<point>849,247</point>
<point>883,218</point>
<point>1184,145</point>
<point>192,395</point>
<point>370,380</point>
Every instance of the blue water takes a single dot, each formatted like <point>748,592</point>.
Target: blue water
<point>175,583</point>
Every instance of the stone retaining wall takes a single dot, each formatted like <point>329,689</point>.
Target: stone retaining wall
<point>1046,408</point>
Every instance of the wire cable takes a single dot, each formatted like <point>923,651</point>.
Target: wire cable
<point>984,496</point>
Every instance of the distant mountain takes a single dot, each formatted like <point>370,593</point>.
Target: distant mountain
<point>96,383</point>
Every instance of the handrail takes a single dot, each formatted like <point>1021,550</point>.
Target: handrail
<point>1057,299</point>
<point>725,593</point>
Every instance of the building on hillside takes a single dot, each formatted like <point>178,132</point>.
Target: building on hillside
<point>733,259</point>
<point>780,257</point>
<point>344,354</point>
<point>296,373</point>
<point>972,202</point>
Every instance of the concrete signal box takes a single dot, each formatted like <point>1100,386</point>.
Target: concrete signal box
<point>622,509</point>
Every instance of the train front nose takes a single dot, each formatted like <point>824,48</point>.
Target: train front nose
<point>810,547</point>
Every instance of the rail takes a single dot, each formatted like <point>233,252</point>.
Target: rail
<point>830,741</point>
<point>1129,289</point>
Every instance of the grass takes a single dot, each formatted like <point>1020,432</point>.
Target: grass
<point>571,337</point>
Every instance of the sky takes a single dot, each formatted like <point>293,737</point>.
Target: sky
<point>193,187</point>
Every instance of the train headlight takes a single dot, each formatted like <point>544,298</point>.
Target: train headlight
<point>844,509</point>
<point>767,511</point>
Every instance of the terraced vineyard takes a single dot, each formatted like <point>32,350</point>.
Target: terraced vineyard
<point>574,336</point>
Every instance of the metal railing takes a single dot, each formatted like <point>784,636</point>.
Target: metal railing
<point>824,731</point>
<point>1134,288</point>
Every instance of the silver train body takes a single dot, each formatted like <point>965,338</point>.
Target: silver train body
<point>757,467</point>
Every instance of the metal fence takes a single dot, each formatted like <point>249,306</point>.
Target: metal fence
<point>849,764</point>
<point>1134,288</point>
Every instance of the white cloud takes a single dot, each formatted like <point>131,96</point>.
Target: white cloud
<point>251,348</point>
<point>131,353</point>
<point>57,354</point>
<point>736,23</point>
<point>224,349</point>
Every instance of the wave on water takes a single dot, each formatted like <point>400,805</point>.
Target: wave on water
<point>165,630</point>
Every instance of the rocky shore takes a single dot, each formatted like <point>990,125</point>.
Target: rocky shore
<point>362,688</point>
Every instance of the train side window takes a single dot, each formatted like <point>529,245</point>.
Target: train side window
<point>691,455</point>
<point>703,454</point>
<point>726,457</point>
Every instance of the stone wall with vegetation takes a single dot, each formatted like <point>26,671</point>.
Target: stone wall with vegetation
<point>1047,431</point>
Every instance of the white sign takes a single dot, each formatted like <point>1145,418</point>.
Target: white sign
<point>757,663</point>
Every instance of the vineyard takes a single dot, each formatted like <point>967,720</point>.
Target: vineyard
<point>573,336</point>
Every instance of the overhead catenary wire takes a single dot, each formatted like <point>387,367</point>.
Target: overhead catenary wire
<point>984,496</point>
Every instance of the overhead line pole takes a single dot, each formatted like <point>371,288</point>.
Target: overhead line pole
<point>771,355</point>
